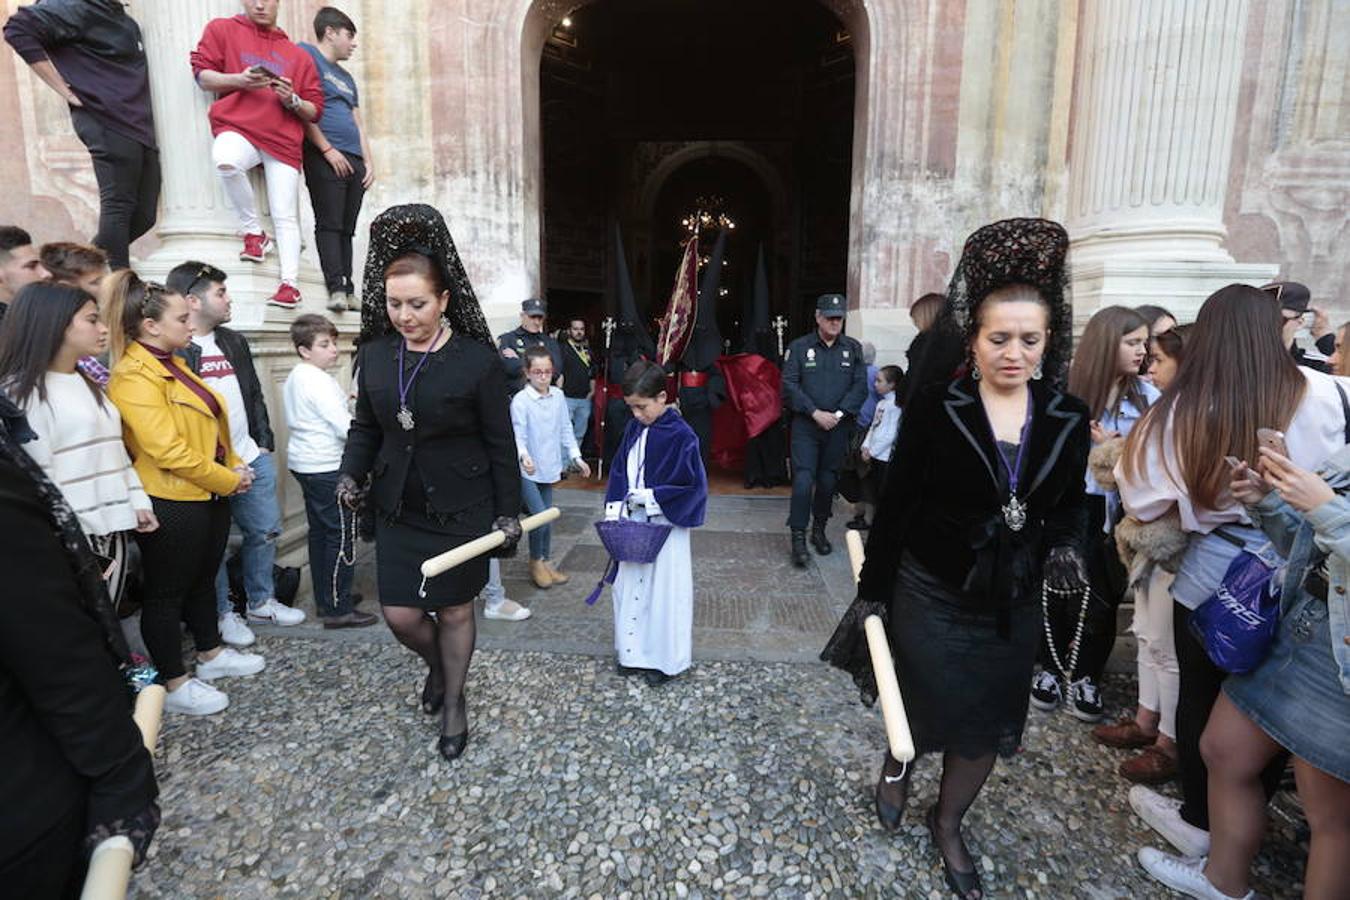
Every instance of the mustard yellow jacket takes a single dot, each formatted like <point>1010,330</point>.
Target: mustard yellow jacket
<point>169,431</point>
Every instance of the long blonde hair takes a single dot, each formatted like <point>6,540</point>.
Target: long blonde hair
<point>1236,376</point>
<point>124,300</point>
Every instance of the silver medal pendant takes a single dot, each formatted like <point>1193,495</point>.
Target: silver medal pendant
<point>405,418</point>
<point>1015,513</point>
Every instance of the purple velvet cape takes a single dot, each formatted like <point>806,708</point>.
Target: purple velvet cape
<point>674,469</point>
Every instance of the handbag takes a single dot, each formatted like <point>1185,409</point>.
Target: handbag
<point>1237,624</point>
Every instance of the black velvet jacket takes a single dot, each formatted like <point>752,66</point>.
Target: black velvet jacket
<point>463,445</point>
<point>946,485</point>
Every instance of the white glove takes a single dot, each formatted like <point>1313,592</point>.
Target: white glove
<point>644,498</point>
<point>613,511</point>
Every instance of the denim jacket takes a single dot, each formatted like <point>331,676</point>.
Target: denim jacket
<point>1305,537</point>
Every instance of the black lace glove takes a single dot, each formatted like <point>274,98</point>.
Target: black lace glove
<point>139,829</point>
<point>510,526</point>
<point>1064,570</point>
<point>349,493</point>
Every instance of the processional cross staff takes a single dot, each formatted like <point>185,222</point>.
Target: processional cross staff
<point>607,325</point>
<point>779,326</point>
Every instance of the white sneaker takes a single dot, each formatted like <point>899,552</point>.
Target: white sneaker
<point>508,611</point>
<point>229,663</point>
<point>195,698</point>
<point>234,631</point>
<point>275,612</point>
<point>1184,875</point>
<point>1163,815</point>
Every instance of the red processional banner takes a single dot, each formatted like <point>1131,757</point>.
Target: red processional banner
<point>682,310</point>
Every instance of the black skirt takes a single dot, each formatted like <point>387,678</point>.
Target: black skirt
<point>410,536</point>
<point>964,685</point>
<point>401,546</point>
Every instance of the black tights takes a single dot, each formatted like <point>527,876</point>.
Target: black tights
<point>446,644</point>
<point>962,779</point>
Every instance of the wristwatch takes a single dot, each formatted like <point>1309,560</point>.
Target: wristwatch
<point>838,413</point>
<point>294,103</point>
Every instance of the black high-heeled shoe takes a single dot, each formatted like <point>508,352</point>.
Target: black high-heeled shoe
<point>964,884</point>
<point>888,814</point>
<point>452,745</point>
<point>432,701</point>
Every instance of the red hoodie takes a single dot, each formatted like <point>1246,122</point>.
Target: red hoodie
<point>230,46</point>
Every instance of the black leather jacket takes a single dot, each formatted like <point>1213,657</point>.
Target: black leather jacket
<point>235,347</point>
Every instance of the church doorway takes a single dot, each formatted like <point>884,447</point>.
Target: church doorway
<point>651,110</point>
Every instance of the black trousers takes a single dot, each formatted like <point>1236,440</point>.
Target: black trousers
<point>817,455</point>
<point>180,560</point>
<point>337,204</point>
<point>128,178</point>
<point>53,866</point>
<point>1201,682</point>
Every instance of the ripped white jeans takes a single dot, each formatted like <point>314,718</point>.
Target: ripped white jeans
<point>234,157</point>
<point>1159,676</point>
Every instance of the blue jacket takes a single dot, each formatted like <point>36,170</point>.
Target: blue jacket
<point>1305,537</point>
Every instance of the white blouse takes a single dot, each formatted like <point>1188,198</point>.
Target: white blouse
<point>80,447</point>
<point>1316,432</point>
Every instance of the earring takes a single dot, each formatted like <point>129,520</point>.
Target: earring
<point>1037,373</point>
<point>975,371</point>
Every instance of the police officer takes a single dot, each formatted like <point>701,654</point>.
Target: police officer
<point>824,384</point>
<point>529,333</point>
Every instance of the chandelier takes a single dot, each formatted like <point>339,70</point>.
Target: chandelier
<point>709,214</point>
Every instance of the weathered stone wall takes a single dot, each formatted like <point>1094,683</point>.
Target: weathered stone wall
<point>965,113</point>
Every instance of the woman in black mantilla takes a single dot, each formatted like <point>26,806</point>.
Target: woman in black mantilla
<point>983,494</point>
<point>433,427</point>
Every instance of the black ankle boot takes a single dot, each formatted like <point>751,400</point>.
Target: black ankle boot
<point>799,555</point>
<point>819,541</point>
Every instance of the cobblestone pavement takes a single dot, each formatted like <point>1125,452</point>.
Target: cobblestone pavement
<point>744,777</point>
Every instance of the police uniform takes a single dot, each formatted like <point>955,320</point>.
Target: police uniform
<point>520,340</point>
<point>832,378</point>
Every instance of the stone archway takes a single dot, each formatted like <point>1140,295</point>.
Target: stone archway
<point>538,18</point>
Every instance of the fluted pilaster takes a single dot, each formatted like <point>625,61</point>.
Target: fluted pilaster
<point>194,220</point>
<point>1154,111</point>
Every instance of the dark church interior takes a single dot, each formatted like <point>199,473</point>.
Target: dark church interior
<point>655,110</point>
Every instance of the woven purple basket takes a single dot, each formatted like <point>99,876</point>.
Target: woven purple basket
<point>631,541</point>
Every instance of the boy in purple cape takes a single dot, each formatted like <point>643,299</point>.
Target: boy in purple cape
<point>657,476</point>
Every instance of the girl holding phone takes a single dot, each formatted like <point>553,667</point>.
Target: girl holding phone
<point>1236,376</point>
<point>1297,700</point>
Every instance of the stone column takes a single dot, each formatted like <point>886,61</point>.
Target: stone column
<point>195,223</point>
<point>194,220</point>
<point>1155,105</point>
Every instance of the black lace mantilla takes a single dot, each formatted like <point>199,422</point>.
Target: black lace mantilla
<point>419,228</point>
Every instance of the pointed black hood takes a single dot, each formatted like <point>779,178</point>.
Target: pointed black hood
<point>758,329</point>
<point>631,338</point>
<point>706,343</point>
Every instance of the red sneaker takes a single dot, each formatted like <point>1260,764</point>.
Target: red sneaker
<point>287,297</point>
<point>255,247</point>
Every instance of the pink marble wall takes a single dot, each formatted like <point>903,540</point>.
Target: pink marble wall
<point>466,138</point>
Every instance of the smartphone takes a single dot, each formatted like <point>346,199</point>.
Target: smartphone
<point>1269,437</point>
<point>1233,461</point>
<point>260,69</point>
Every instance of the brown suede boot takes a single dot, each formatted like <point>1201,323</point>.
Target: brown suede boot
<point>540,574</point>
<point>558,577</point>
